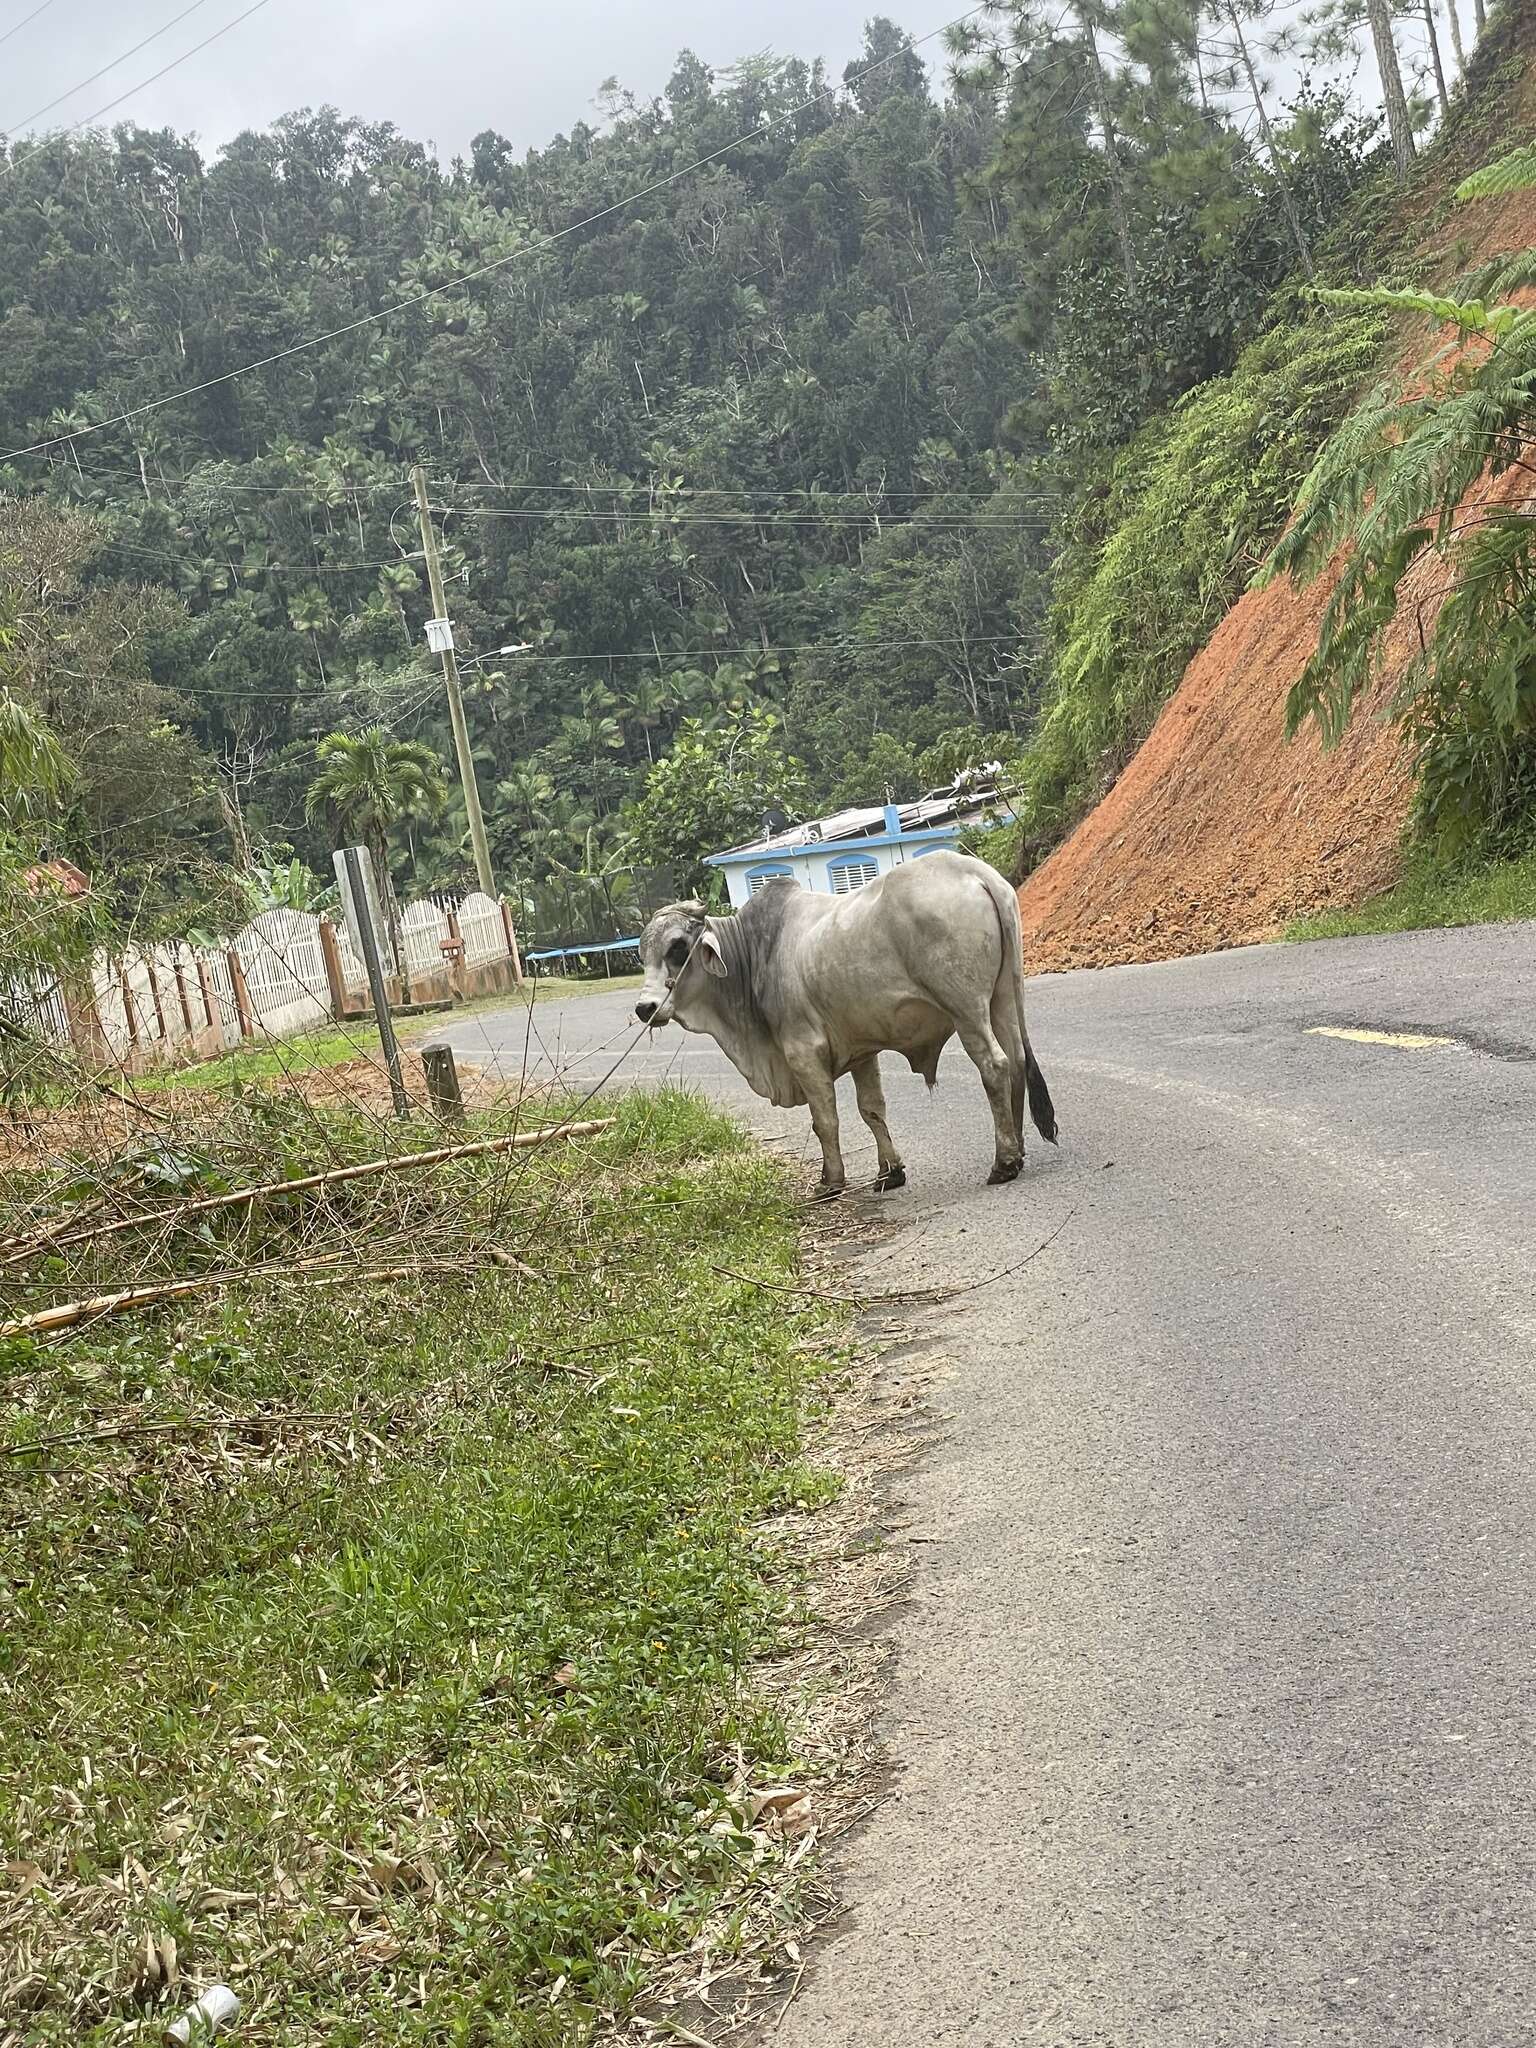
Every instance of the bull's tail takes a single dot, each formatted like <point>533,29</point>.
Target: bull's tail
<point>1041,1108</point>
<point>1032,1082</point>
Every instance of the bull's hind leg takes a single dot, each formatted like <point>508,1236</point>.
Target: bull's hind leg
<point>1005,1029</point>
<point>992,1063</point>
<point>871,1098</point>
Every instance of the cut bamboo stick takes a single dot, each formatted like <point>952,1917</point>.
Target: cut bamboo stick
<point>15,1251</point>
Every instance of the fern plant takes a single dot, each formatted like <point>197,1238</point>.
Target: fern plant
<point>1391,487</point>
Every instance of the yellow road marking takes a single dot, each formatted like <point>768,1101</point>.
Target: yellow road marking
<point>1405,1041</point>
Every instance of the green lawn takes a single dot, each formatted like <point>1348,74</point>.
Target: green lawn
<point>395,1659</point>
<point>1430,896</point>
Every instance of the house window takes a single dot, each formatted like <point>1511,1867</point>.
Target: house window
<point>847,875</point>
<point>761,877</point>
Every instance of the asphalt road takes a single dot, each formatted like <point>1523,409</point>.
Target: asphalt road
<point>1214,1708</point>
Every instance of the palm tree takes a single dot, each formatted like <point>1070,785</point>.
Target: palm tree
<point>527,789</point>
<point>366,783</point>
<point>644,704</point>
<point>310,612</point>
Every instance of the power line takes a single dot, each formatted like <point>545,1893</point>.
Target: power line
<point>464,277</point>
<point>866,497</point>
<point>26,121</point>
<point>674,657</point>
<point>239,571</point>
<point>123,547</point>
<point>85,122</point>
<point>20,25</point>
<point>809,496</point>
<point>771,519</point>
<point>813,495</point>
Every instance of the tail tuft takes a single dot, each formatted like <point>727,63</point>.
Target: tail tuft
<point>1040,1107</point>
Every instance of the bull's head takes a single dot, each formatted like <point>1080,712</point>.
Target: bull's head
<point>676,945</point>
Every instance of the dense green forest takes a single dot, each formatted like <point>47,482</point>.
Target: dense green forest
<point>786,417</point>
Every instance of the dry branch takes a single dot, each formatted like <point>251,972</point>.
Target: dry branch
<point>329,1268</point>
<point>15,1251</point>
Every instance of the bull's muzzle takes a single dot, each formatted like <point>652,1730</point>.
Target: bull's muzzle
<point>646,1011</point>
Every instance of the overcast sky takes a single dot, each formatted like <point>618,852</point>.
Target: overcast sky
<point>441,73</point>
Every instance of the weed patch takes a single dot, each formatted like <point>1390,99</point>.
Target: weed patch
<point>1431,895</point>
<point>387,1652</point>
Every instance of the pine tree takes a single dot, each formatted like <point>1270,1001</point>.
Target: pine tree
<point>1399,126</point>
<point>1239,18</point>
<point>1432,35</point>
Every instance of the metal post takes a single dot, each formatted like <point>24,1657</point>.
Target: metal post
<point>477,838</point>
<point>376,988</point>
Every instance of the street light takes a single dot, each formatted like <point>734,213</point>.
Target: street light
<point>493,653</point>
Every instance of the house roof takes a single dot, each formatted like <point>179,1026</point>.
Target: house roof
<point>866,821</point>
<point>57,874</point>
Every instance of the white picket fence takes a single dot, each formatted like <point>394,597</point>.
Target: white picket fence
<point>482,928</point>
<point>150,1000</point>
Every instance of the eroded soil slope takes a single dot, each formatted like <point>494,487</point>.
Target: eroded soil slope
<point>1220,830</point>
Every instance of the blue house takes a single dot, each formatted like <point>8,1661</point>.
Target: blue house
<point>842,853</point>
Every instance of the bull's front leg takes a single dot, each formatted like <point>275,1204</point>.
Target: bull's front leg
<point>813,1070</point>
<point>871,1096</point>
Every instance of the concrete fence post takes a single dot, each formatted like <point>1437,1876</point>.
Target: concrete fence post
<point>86,1032</point>
<point>181,992</point>
<point>130,1007</point>
<point>512,952</point>
<point>243,1008</point>
<point>335,980</point>
<point>205,983</point>
<point>154,993</point>
<point>443,1090</point>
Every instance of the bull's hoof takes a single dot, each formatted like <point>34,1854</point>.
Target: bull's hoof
<point>893,1177</point>
<point>828,1191</point>
<point>1005,1169</point>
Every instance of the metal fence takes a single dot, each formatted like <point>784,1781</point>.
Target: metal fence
<point>590,917</point>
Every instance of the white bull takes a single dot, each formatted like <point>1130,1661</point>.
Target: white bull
<point>798,989</point>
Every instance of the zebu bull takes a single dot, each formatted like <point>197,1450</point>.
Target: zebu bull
<point>798,989</point>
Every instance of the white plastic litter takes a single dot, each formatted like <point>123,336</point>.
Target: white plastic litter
<point>218,2007</point>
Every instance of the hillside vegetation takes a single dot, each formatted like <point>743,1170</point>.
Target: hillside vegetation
<point>1397,633</point>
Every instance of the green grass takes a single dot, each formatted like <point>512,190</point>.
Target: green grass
<point>358,1039</point>
<point>1429,896</point>
<point>428,1723</point>
<point>303,1053</point>
<point>559,988</point>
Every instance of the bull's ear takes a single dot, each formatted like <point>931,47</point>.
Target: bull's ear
<point>714,959</point>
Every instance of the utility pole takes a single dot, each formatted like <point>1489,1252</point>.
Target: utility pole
<point>443,641</point>
<point>350,860</point>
